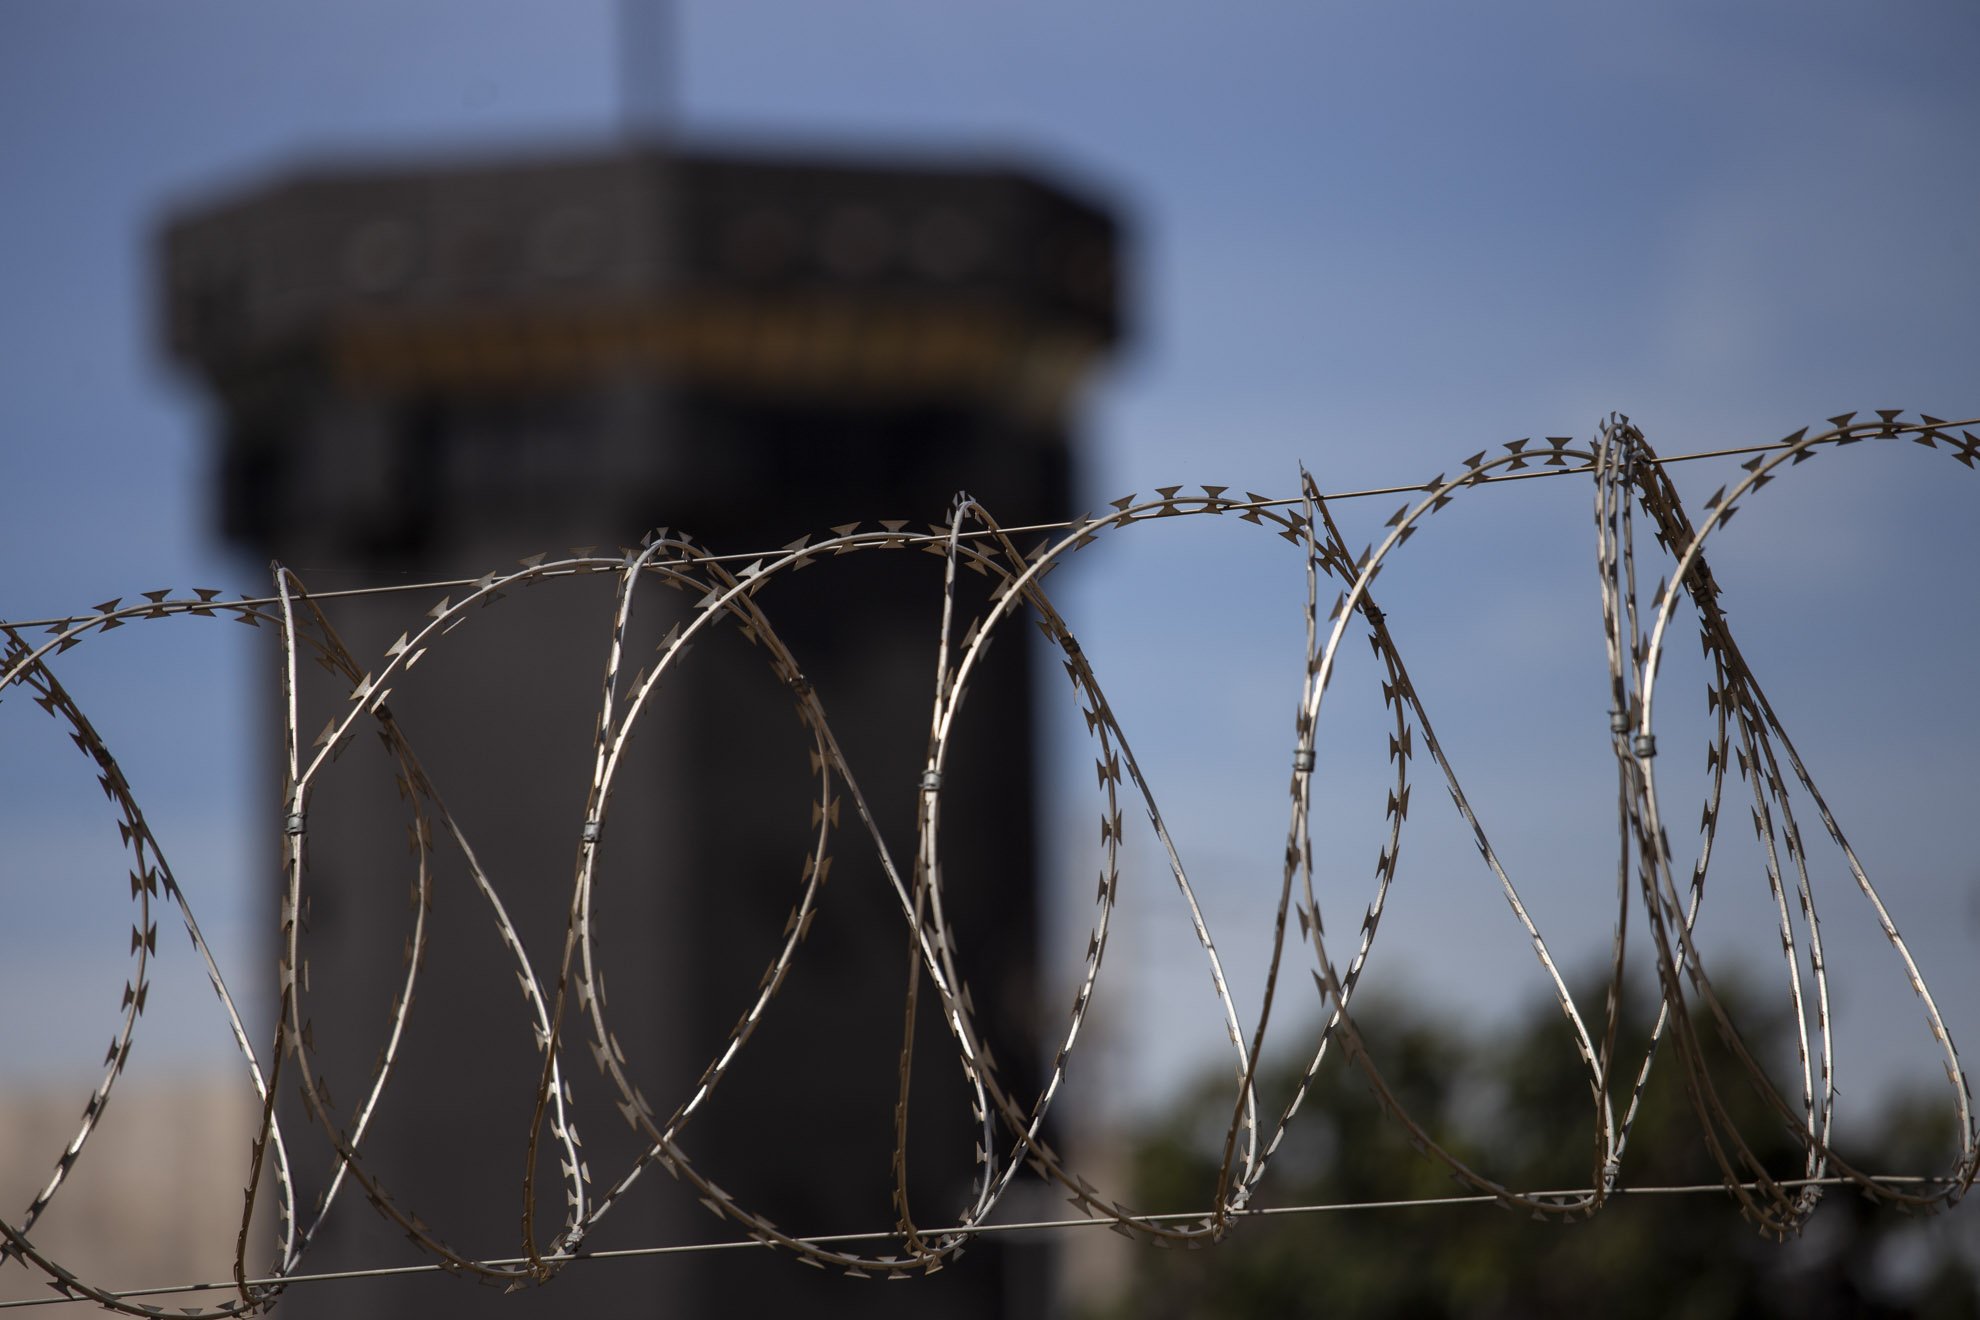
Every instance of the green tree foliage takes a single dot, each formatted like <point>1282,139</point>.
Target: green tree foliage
<point>1516,1108</point>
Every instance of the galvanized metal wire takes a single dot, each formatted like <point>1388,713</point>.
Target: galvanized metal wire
<point>564,1004</point>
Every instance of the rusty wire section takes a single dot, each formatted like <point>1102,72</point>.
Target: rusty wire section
<point>564,1006</point>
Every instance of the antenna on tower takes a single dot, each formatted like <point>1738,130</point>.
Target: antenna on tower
<point>646,42</point>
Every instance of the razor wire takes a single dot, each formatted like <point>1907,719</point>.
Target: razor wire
<point>1630,482</point>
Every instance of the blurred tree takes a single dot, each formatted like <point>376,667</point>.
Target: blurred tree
<point>1516,1108</point>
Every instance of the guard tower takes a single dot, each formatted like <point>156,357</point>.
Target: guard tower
<point>431,371</point>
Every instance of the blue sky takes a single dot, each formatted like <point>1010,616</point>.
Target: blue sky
<point>1370,238</point>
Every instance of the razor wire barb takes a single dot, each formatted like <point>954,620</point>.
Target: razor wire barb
<point>1629,482</point>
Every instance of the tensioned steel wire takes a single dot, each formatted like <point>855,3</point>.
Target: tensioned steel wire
<point>567,1014</point>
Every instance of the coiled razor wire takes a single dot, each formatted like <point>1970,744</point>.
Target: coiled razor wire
<point>1630,482</point>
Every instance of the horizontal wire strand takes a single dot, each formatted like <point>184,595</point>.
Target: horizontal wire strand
<point>908,538</point>
<point>1027,1226</point>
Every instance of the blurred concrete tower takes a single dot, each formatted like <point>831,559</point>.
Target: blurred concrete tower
<point>429,372</point>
